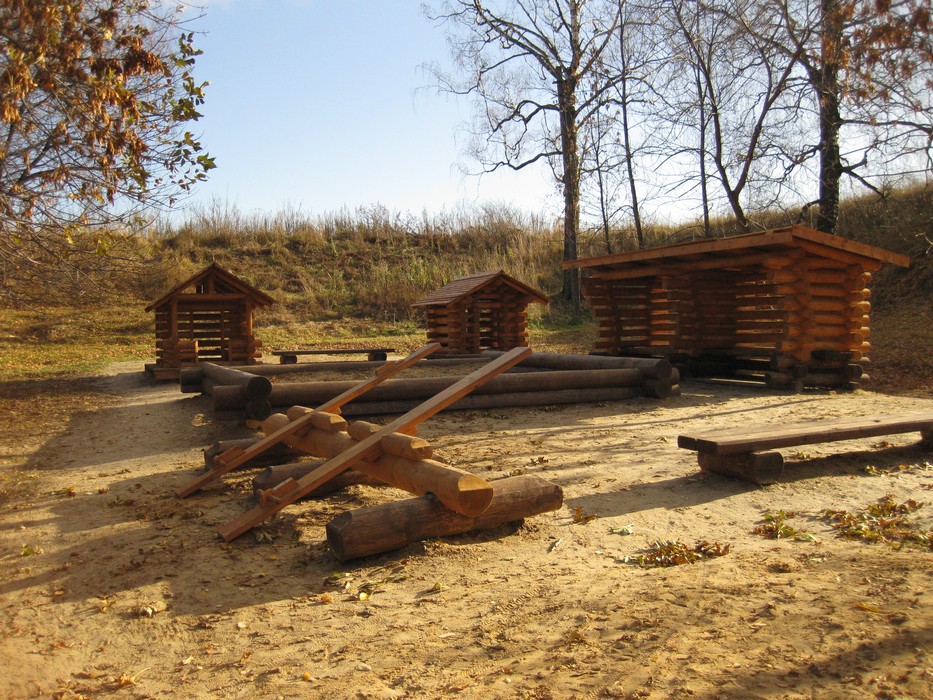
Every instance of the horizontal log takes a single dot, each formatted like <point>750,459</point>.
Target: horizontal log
<point>274,455</point>
<point>652,368</point>
<point>272,476</point>
<point>316,393</point>
<point>516,400</point>
<point>387,527</point>
<point>253,386</point>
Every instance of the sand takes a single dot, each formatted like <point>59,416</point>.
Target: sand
<point>112,587</point>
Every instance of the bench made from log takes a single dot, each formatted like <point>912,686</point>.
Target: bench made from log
<point>740,452</point>
<point>290,357</point>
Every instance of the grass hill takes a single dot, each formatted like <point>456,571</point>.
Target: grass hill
<point>348,276</point>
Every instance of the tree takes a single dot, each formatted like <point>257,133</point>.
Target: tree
<point>94,97</point>
<point>745,99</point>
<point>869,66</point>
<point>624,132</point>
<point>528,63</point>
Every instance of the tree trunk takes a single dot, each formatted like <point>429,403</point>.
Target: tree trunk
<point>626,141</point>
<point>830,121</point>
<point>383,528</point>
<point>570,157</point>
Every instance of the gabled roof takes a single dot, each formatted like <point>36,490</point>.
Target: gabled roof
<point>222,282</point>
<point>463,287</point>
<point>726,249</point>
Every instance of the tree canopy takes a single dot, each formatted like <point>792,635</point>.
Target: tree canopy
<point>712,107</point>
<point>95,96</point>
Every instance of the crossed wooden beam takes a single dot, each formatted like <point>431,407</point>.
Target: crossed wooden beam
<point>324,420</point>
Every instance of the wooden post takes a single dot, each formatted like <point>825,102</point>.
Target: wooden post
<point>376,529</point>
<point>757,467</point>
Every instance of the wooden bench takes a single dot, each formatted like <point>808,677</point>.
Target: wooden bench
<point>290,357</point>
<point>739,452</point>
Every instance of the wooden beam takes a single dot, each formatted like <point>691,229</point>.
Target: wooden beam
<point>233,458</point>
<point>289,491</point>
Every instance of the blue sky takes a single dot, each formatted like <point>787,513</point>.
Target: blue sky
<point>322,104</point>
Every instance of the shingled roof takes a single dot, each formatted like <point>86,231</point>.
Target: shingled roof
<point>665,260</point>
<point>463,287</point>
<point>223,282</point>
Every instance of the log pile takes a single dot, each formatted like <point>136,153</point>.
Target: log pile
<point>543,379</point>
<point>788,307</point>
<point>361,452</point>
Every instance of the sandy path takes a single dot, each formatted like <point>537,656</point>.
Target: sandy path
<point>130,594</point>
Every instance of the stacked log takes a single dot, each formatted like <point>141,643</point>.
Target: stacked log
<point>594,379</point>
<point>252,391</point>
<point>192,376</point>
<point>659,379</point>
<point>177,352</point>
<point>404,461</point>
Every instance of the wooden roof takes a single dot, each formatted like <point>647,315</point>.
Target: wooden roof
<point>654,261</point>
<point>222,281</point>
<point>463,287</point>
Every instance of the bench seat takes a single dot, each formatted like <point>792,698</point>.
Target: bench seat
<point>290,357</point>
<point>739,451</point>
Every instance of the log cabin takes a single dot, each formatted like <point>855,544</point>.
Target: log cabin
<point>207,317</point>
<point>483,311</point>
<point>789,306</point>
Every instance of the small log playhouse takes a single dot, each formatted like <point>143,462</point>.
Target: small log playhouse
<point>788,306</point>
<point>207,317</point>
<point>484,311</point>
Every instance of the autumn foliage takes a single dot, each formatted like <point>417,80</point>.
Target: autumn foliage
<point>94,97</point>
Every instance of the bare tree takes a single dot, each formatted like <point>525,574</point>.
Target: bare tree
<point>745,104</point>
<point>528,63</point>
<point>618,141</point>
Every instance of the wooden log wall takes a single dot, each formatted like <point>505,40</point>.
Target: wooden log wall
<point>221,329</point>
<point>805,311</point>
<point>492,318</point>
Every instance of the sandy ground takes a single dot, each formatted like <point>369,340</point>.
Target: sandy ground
<point>111,587</point>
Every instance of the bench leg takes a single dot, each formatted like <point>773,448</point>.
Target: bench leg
<point>377,356</point>
<point>757,467</point>
<point>288,359</point>
<point>926,439</point>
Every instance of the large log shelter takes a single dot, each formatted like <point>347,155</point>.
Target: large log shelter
<point>789,306</point>
<point>483,311</point>
<point>206,317</point>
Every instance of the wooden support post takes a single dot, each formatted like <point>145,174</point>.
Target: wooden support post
<point>757,467</point>
<point>234,458</point>
<point>383,528</point>
<point>290,491</point>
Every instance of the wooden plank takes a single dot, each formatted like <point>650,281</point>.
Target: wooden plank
<point>233,458</point>
<point>741,440</point>
<point>289,491</point>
